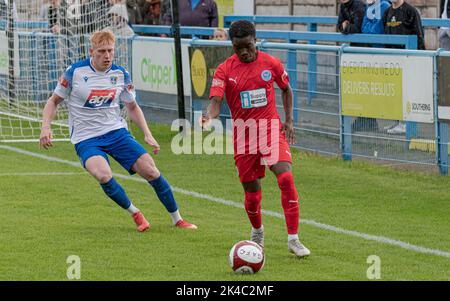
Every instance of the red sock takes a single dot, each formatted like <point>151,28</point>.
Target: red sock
<point>289,201</point>
<point>253,208</point>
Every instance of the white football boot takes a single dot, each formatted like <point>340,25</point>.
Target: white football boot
<point>297,248</point>
<point>258,236</point>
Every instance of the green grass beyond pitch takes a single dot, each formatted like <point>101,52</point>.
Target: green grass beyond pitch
<point>46,218</point>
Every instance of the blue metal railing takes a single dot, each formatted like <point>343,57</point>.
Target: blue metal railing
<point>313,21</point>
<point>346,136</point>
<point>310,21</point>
<point>407,41</point>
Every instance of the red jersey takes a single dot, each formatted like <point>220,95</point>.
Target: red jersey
<point>249,86</point>
<point>249,89</point>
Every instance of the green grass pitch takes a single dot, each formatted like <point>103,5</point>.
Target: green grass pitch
<point>45,217</point>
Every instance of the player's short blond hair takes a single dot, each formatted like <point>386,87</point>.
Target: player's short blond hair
<point>102,37</point>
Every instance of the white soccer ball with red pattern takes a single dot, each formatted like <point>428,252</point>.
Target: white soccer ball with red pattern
<point>246,257</point>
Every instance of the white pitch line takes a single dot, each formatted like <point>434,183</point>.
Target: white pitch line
<point>379,239</point>
<point>31,174</point>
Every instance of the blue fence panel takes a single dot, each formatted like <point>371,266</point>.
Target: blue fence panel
<point>315,20</point>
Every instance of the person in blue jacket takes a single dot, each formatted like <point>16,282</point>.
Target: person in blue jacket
<point>373,19</point>
<point>372,24</point>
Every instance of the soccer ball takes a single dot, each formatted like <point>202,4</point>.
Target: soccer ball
<point>246,257</point>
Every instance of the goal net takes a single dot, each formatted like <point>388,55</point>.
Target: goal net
<point>39,39</point>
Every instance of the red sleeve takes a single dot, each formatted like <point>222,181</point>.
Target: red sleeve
<point>281,76</point>
<point>218,83</point>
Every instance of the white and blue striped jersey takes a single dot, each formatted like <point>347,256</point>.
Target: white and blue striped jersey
<point>93,98</point>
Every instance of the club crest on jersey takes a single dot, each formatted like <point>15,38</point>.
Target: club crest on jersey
<point>100,98</point>
<point>114,80</point>
<point>85,78</point>
<point>266,75</point>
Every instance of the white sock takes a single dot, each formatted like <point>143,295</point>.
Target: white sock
<point>132,210</point>
<point>175,216</point>
<point>258,230</point>
<point>292,236</point>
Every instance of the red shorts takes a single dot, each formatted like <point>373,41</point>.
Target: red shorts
<point>253,166</point>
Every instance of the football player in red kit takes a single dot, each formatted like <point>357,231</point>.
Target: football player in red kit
<point>260,138</point>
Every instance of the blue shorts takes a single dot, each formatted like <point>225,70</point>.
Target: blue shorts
<point>119,144</point>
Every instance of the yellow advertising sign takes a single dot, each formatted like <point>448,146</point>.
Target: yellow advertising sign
<point>372,89</point>
<point>198,72</point>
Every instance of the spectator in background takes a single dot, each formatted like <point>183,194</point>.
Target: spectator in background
<point>134,12</point>
<point>403,19</point>
<point>141,4</point>
<point>43,12</point>
<point>92,16</point>
<point>444,32</point>
<point>351,15</point>
<point>165,10</point>
<point>57,17</point>
<point>202,13</point>
<point>220,34</point>
<point>372,24</point>
<point>373,19</point>
<point>4,10</point>
<point>152,12</point>
<point>118,16</point>
<point>60,25</point>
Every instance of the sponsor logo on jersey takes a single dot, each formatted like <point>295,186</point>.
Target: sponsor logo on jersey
<point>217,83</point>
<point>234,80</point>
<point>266,75</point>
<point>253,98</point>
<point>100,98</point>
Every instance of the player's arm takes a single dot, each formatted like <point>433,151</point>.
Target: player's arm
<point>216,95</point>
<point>212,112</point>
<point>46,136</point>
<point>282,80</point>
<point>288,104</point>
<point>137,116</point>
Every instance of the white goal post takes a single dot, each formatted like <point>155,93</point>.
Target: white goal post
<point>38,41</point>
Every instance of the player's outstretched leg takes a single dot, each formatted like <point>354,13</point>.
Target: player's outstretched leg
<point>289,201</point>
<point>146,168</point>
<point>99,168</point>
<point>165,195</point>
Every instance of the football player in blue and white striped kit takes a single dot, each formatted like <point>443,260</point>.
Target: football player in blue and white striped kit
<point>92,89</point>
